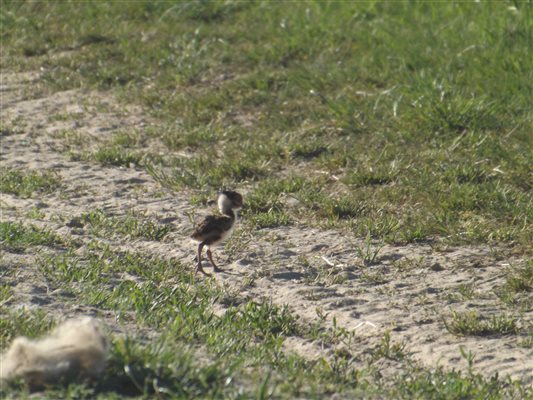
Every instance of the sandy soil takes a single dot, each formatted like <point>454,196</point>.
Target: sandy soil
<point>408,291</point>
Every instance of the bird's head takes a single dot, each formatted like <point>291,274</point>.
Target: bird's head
<point>229,200</point>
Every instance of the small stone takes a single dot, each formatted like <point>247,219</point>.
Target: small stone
<point>75,223</point>
<point>437,267</point>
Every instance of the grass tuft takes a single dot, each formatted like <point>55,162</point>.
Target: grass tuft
<point>26,184</point>
<point>117,156</point>
<point>30,323</point>
<point>133,225</point>
<point>18,237</point>
<point>470,323</point>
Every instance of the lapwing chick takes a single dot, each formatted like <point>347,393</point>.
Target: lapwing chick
<point>214,229</point>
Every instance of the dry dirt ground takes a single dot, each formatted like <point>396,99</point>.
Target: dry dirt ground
<point>409,291</point>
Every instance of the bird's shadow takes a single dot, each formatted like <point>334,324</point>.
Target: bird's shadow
<point>207,264</point>
<point>228,272</point>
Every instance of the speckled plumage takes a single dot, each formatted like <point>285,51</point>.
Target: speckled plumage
<point>215,228</point>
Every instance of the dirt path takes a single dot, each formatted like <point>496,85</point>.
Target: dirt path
<point>409,291</point>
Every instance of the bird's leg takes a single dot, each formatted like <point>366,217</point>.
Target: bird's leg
<point>210,256</point>
<point>199,264</point>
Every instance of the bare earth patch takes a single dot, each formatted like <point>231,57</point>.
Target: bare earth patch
<point>410,291</point>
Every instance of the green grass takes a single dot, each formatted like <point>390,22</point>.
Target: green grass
<point>270,219</point>
<point>518,286</point>
<point>452,385</point>
<point>521,278</point>
<point>398,122</point>
<point>133,225</point>
<point>246,341</point>
<point>116,156</point>
<point>123,149</point>
<point>24,322</point>
<point>237,354</point>
<point>27,183</point>
<point>421,111</point>
<point>471,323</point>
<point>6,294</point>
<point>387,349</point>
<point>462,292</point>
<point>18,237</point>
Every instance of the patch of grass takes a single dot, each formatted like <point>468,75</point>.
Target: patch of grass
<point>518,285</point>
<point>270,219</point>
<point>342,208</point>
<point>520,279</point>
<point>461,293</point>
<point>266,196</point>
<point>163,367</point>
<point>100,264</point>
<point>27,183</point>
<point>206,172</point>
<point>381,226</point>
<point>368,252</point>
<point>307,150</point>
<point>470,323</point>
<point>370,177</point>
<point>10,128</point>
<point>421,140</point>
<point>35,213</point>
<point>466,291</point>
<point>17,237</point>
<point>194,138</point>
<point>72,139</point>
<point>387,349</point>
<point>238,242</point>
<point>374,277</point>
<point>65,116</point>
<point>250,333</point>
<point>328,335</point>
<point>526,343</point>
<point>126,139</point>
<point>30,323</point>
<point>441,384</point>
<point>6,294</point>
<point>200,353</point>
<point>133,225</point>
<point>117,156</point>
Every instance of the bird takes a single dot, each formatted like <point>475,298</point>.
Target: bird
<point>214,229</point>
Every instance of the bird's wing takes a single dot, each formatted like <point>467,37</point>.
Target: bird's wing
<point>212,225</point>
